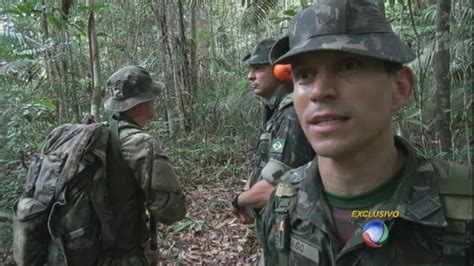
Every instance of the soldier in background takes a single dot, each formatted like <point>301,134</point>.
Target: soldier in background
<point>132,96</point>
<point>282,144</point>
<point>349,81</point>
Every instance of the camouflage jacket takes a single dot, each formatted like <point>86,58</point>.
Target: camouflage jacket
<point>434,226</point>
<point>159,190</point>
<point>282,140</point>
<point>155,176</point>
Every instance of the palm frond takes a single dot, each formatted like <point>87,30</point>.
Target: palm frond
<point>17,66</point>
<point>14,38</point>
<point>460,73</point>
<point>257,11</point>
<point>198,3</point>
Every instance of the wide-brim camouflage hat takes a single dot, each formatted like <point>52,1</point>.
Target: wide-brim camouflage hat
<point>260,54</point>
<point>353,26</point>
<point>130,86</point>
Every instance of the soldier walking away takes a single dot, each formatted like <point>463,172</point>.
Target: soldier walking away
<point>89,189</point>
<point>349,81</point>
<point>282,144</point>
<point>133,96</point>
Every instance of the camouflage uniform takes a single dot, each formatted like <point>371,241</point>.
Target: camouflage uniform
<point>159,187</point>
<point>434,198</point>
<point>434,227</point>
<point>281,137</point>
<point>282,144</point>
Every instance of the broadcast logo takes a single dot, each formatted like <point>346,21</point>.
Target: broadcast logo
<point>375,233</point>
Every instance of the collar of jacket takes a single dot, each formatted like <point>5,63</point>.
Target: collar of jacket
<point>416,197</point>
<point>123,119</point>
<point>272,103</point>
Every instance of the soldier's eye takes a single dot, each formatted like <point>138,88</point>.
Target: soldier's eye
<point>303,76</point>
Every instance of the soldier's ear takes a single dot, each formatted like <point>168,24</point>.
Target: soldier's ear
<point>404,81</point>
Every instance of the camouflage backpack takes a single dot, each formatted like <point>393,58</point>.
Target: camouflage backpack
<point>65,217</point>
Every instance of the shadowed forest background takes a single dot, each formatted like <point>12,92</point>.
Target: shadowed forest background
<point>55,58</point>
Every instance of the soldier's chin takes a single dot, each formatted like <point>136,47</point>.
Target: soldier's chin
<point>332,149</point>
<point>257,91</point>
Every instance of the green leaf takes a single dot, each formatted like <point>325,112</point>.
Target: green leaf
<point>102,34</point>
<point>201,188</point>
<point>25,8</point>
<point>55,21</point>
<point>5,215</point>
<point>290,12</point>
<point>181,225</point>
<point>46,103</point>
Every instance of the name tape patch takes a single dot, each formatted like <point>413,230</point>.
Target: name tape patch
<point>304,249</point>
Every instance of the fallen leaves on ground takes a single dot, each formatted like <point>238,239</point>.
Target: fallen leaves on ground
<point>210,233</point>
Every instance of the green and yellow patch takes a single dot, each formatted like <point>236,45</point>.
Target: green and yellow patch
<point>277,145</point>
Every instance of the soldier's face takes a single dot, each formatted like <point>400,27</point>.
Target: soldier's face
<point>262,81</point>
<point>149,110</point>
<point>345,102</point>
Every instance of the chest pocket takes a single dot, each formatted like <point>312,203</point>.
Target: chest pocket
<point>291,234</point>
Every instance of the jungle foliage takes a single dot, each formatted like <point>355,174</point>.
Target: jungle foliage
<point>195,47</point>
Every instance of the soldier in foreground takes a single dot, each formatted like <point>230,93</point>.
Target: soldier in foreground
<point>282,144</point>
<point>349,80</point>
<point>132,97</point>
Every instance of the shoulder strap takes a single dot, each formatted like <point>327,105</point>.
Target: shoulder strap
<point>455,188</point>
<point>456,192</point>
<point>456,181</point>
<point>117,187</point>
<point>287,100</point>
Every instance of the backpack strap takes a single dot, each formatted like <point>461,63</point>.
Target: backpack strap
<point>119,162</point>
<point>456,192</point>
<point>286,196</point>
<point>123,187</point>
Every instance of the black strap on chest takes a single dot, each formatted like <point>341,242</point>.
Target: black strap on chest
<point>124,191</point>
<point>120,185</point>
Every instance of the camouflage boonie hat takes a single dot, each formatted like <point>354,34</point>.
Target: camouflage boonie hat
<point>130,86</point>
<point>353,26</point>
<point>260,54</point>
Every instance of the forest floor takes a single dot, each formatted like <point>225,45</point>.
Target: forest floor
<point>210,233</point>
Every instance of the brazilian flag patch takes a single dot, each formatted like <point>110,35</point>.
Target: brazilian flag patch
<point>277,145</point>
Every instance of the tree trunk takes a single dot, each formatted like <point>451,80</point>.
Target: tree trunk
<point>441,69</point>
<point>50,68</point>
<point>203,51</point>
<point>172,41</point>
<point>137,31</point>
<point>193,59</point>
<point>160,10</point>
<point>95,65</point>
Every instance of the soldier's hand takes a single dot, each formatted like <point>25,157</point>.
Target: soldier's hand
<point>243,215</point>
<point>235,211</point>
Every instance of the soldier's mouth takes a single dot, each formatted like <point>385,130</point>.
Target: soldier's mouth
<point>327,119</point>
